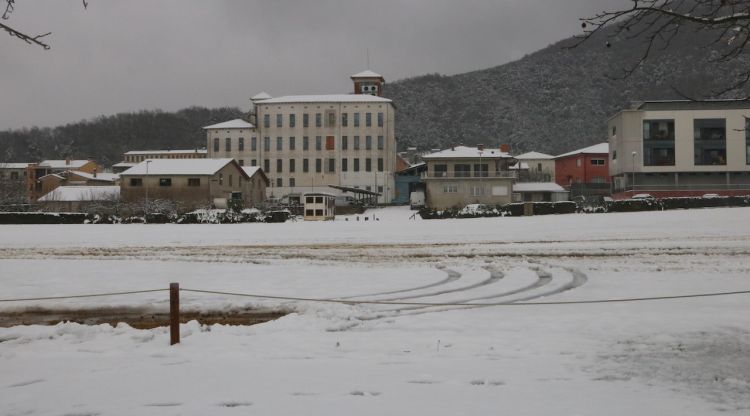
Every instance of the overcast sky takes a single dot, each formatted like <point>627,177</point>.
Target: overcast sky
<point>120,56</point>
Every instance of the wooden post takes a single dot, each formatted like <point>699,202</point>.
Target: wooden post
<point>174,313</point>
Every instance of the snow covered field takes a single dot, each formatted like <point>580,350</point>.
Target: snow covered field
<point>672,357</point>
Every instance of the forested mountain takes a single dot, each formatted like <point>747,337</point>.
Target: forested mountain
<point>556,99</point>
<point>106,138</point>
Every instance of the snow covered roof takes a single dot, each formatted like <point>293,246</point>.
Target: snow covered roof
<point>534,155</point>
<point>237,123</point>
<point>82,193</point>
<point>458,152</point>
<point>200,167</point>
<point>367,74</point>
<point>101,176</point>
<point>261,96</point>
<point>251,170</point>
<point>520,165</point>
<point>327,98</point>
<point>63,164</point>
<point>537,187</point>
<point>9,165</point>
<point>165,152</point>
<point>124,164</point>
<point>595,149</point>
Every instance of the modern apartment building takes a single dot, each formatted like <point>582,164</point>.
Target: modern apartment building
<point>680,148</point>
<point>306,142</point>
<point>584,172</point>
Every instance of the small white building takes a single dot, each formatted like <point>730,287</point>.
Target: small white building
<point>319,206</point>
<point>539,192</point>
<point>78,198</point>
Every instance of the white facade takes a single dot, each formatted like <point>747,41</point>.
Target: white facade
<point>305,143</point>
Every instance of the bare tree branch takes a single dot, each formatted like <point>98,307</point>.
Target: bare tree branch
<point>26,38</point>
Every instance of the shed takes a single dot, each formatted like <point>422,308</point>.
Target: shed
<point>319,206</point>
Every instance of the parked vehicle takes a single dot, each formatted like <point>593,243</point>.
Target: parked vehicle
<point>642,196</point>
<point>707,196</point>
<point>416,200</point>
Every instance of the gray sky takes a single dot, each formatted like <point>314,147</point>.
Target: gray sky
<point>145,54</point>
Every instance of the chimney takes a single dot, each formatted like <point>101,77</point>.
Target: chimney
<point>480,147</point>
<point>505,148</point>
<point>94,173</point>
<point>67,160</point>
<point>453,148</point>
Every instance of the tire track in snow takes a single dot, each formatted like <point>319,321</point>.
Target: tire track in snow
<point>452,276</point>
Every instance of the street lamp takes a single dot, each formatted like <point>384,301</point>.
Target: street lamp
<point>633,173</point>
<point>145,217</point>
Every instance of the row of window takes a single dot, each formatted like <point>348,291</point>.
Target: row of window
<point>141,158</point>
<point>191,182</point>
<point>477,190</point>
<point>291,143</point>
<point>330,165</point>
<point>328,118</point>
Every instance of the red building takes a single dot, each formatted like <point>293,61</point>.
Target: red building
<point>584,171</point>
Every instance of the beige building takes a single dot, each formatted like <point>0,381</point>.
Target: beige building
<point>536,167</point>
<point>36,171</point>
<point>463,175</point>
<point>13,183</point>
<point>193,183</point>
<point>680,148</point>
<point>306,142</point>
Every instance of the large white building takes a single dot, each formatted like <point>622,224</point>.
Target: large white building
<point>306,142</point>
<point>681,148</point>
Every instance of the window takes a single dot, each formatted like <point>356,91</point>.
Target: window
<point>267,144</point>
<point>380,189</point>
<point>441,170</point>
<point>254,144</point>
<point>500,190</point>
<point>14,175</point>
<point>279,182</point>
<point>477,190</point>
<point>305,165</point>
<point>450,188</point>
<point>380,164</point>
<point>331,165</point>
<point>356,142</point>
<point>292,120</point>
<point>462,170</point>
<point>230,180</point>
<point>292,144</point>
<point>292,183</point>
<point>381,143</point>
<point>216,144</point>
<point>221,179</point>
<point>344,143</point>
<point>266,165</point>
<point>279,165</point>
<point>330,143</point>
<point>305,143</point>
<point>368,119</point>
<point>380,119</point>
<point>614,131</point>
<point>356,164</point>
<point>710,141</point>
<point>368,142</point>
<point>597,162</point>
<point>305,120</point>
<point>318,212</point>
<point>291,165</point>
<point>279,120</point>
<point>344,165</point>
<point>279,144</point>
<point>330,118</point>
<point>318,120</point>
<point>136,182</point>
<point>309,212</point>
<point>344,119</point>
<point>318,165</point>
<point>318,143</point>
<point>614,155</point>
<point>658,143</point>
<point>254,162</point>
<point>368,165</point>
<point>538,167</point>
<point>241,162</point>
<point>578,163</point>
<point>165,181</point>
<point>266,120</point>
<point>356,119</point>
<point>241,144</point>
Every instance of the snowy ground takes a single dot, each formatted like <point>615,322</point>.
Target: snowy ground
<point>686,357</point>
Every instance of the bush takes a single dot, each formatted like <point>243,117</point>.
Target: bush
<point>515,209</point>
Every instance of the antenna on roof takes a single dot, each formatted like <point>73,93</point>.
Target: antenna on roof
<point>367,58</point>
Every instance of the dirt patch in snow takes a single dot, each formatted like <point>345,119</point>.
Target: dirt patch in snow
<point>139,318</point>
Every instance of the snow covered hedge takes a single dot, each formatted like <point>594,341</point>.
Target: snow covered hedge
<point>632,205</point>
<point>42,217</point>
<point>515,209</point>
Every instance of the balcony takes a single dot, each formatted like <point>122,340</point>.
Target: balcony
<point>469,175</point>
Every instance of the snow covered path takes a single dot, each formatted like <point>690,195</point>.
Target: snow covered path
<point>686,357</point>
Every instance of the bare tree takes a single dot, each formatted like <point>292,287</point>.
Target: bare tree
<point>10,6</point>
<point>659,22</point>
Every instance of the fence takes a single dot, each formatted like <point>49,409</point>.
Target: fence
<point>174,301</point>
